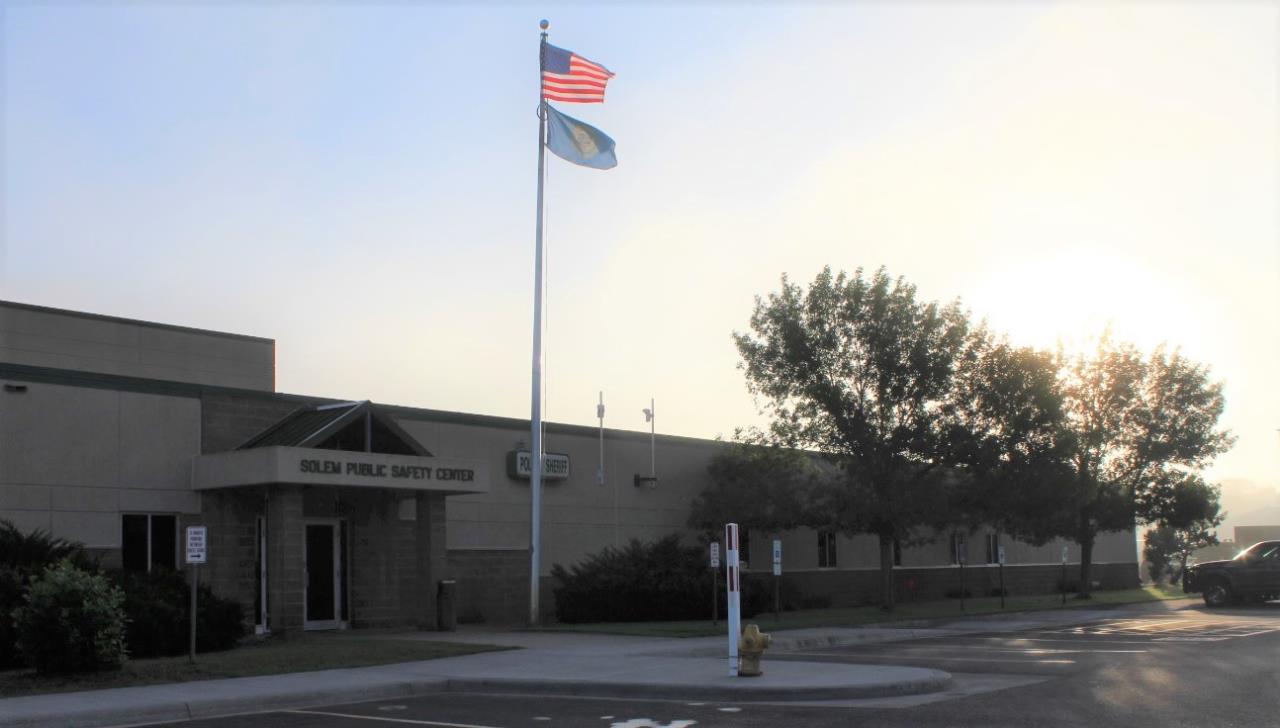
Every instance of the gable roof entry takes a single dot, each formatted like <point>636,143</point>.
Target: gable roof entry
<point>350,426</point>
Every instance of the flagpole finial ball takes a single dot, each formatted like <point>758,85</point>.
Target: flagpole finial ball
<point>544,24</point>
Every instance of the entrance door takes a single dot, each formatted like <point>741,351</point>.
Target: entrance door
<point>324,578</point>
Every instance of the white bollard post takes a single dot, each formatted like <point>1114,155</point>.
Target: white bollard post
<point>733,603</point>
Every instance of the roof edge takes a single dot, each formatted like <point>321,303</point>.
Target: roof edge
<point>135,322</point>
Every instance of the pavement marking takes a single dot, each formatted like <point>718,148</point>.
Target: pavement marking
<point>388,720</point>
<point>729,710</point>
<point>1015,650</point>
<point>943,658</point>
<point>1171,630</point>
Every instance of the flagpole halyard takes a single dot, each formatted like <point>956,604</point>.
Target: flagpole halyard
<point>535,419</point>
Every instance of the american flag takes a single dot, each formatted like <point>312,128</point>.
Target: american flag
<point>568,77</point>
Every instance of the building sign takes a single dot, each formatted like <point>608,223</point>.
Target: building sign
<point>384,470</point>
<point>313,466</point>
<point>555,466</point>
<point>197,540</point>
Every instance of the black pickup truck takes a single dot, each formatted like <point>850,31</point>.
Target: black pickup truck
<point>1253,574</point>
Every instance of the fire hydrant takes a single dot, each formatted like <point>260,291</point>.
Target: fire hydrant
<point>751,647</point>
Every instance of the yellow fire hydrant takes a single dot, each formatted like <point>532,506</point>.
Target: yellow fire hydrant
<point>751,647</point>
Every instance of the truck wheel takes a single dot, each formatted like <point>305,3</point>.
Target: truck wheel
<point>1217,594</point>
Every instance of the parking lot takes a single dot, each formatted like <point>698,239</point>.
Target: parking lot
<point>1185,666</point>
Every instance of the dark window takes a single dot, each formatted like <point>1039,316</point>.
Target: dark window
<point>744,547</point>
<point>897,552</point>
<point>826,550</point>
<point>958,549</point>
<point>993,548</point>
<point>148,542</point>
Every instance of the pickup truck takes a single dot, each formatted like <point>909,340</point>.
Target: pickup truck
<point>1254,574</point>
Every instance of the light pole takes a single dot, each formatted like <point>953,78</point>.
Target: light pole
<point>649,416</point>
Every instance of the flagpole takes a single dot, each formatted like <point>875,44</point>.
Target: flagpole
<point>535,419</point>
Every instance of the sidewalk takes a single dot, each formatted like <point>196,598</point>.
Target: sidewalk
<point>549,663</point>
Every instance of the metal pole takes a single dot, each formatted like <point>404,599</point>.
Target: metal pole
<point>600,414</point>
<point>535,419</point>
<point>715,597</point>
<point>195,577</point>
<point>653,418</point>
<point>1002,585</point>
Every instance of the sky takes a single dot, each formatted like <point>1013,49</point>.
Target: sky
<point>357,181</point>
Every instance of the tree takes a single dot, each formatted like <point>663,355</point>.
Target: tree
<point>757,486</point>
<point>1186,510</point>
<point>1159,546</point>
<point>857,369</point>
<point>1133,425</point>
<point>1006,428</point>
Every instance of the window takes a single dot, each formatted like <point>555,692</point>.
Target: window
<point>897,552</point>
<point>959,549</point>
<point>993,548</point>
<point>149,542</point>
<point>826,550</point>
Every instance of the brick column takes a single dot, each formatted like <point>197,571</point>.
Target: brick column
<point>429,535</point>
<point>285,537</point>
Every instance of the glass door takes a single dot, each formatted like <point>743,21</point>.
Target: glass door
<point>323,577</point>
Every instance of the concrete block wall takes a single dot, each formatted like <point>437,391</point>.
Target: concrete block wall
<point>851,588</point>
<point>286,580</point>
<point>231,519</point>
<point>493,585</point>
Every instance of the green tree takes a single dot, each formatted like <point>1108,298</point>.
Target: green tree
<point>1134,425</point>
<point>859,370</point>
<point>1158,546</point>
<point>1186,511</point>
<point>757,486</point>
<point>1007,432</point>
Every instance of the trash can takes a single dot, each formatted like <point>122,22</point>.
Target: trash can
<point>447,606</point>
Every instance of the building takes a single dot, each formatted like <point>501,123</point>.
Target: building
<point>327,514</point>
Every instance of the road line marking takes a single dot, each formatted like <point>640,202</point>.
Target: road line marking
<point>1026,651</point>
<point>388,720</point>
<point>940,658</point>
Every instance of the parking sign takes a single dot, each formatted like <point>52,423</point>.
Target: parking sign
<point>197,550</point>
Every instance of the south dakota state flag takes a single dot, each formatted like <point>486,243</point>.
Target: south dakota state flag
<point>574,141</point>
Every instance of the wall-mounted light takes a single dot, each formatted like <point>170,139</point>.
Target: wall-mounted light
<point>648,480</point>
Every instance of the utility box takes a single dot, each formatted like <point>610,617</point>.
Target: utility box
<point>447,606</point>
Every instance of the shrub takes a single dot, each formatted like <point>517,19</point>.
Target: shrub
<point>158,605</point>
<point>30,553</point>
<point>639,582</point>
<point>11,588</point>
<point>658,581</point>
<point>24,556</point>
<point>72,621</point>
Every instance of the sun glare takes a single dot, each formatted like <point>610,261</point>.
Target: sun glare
<point>1070,297</point>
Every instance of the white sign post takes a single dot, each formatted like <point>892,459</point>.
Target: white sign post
<point>197,553</point>
<point>777,573</point>
<point>734,588</point>
<point>715,588</point>
<point>1000,559</point>
<point>1064,574</point>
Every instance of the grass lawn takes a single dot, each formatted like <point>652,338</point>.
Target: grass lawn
<point>268,657</point>
<point>905,612</point>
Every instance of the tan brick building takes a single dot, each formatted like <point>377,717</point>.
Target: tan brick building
<point>324,514</point>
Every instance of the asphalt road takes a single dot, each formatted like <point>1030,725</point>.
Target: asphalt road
<point>1191,667</point>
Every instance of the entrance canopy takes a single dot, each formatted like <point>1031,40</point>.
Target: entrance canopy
<point>348,444</point>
